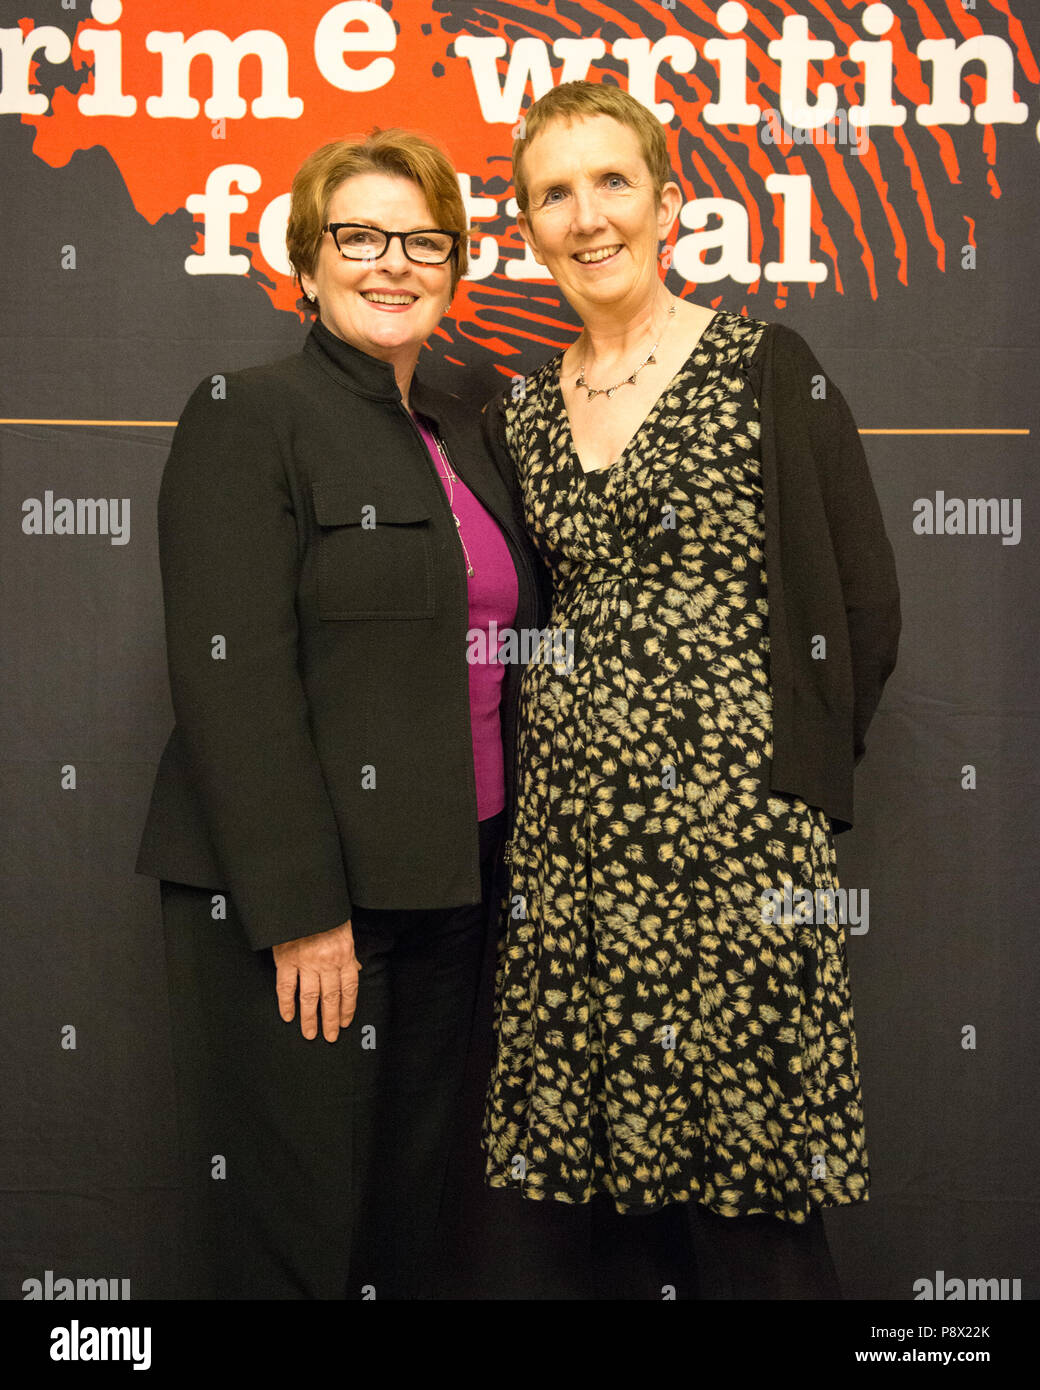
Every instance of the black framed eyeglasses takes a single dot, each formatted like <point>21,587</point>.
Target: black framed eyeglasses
<point>360,242</point>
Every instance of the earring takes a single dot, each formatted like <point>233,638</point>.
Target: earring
<point>311,296</point>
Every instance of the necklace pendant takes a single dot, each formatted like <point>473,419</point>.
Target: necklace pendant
<point>593,391</point>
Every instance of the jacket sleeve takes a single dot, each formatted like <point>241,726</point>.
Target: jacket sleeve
<point>229,556</point>
<point>494,429</point>
<point>863,552</point>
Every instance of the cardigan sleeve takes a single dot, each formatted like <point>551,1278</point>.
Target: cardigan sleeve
<point>229,555</point>
<point>806,398</point>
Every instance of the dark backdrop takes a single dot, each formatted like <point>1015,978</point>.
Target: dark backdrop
<point>86,1158</point>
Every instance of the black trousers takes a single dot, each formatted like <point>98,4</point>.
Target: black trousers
<point>313,1169</point>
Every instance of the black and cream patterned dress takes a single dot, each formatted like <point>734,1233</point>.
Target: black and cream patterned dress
<point>659,1038</point>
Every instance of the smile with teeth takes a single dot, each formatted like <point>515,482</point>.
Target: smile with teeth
<point>381,297</point>
<point>600,254</point>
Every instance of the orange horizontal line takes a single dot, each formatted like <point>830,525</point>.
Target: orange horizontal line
<point>944,431</point>
<point>171,424</point>
<point>150,424</point>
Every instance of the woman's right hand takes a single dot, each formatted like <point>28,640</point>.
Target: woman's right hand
<point>326,969</point>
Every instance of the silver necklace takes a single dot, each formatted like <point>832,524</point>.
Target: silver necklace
<point>608,391</point>
<point>451,481</point>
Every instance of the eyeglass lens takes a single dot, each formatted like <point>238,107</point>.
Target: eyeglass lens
<point>368,243</point>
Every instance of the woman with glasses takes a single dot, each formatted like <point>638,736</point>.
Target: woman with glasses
<point>329,811</point>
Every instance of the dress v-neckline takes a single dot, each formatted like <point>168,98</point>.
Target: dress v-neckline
<point>646,420</point>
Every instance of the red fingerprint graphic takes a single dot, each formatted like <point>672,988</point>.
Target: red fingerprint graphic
<point>871,213</point>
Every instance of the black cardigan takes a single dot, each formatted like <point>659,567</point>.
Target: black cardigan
<point>831,572</point>
<point>304,647</point>
<point>830,569</point>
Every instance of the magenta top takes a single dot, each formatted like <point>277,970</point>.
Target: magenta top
<point>493,595</point>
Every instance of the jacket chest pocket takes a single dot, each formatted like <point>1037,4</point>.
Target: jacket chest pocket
<point>375,557</point>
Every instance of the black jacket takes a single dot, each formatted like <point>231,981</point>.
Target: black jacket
<point>830,568</point>
<point>309,654</point>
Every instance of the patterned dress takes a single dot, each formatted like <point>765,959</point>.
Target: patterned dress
<point>658,1036</point>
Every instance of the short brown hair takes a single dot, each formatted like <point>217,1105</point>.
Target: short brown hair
<point>399,153</point>
<point>572,101</point>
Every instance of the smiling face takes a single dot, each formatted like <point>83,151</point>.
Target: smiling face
<point>593,220</point>
<point>389,307</point>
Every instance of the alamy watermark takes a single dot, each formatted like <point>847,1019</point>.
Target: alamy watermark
<point>839,130</point>
<point>81,1342</point>
<point>945,1287</point>
<point>77,516</point>
<point>64,1287</point>
<point>800,905</point>
<point>492,645</point>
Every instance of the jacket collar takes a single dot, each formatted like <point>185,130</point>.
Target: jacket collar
<point>370,376</point>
